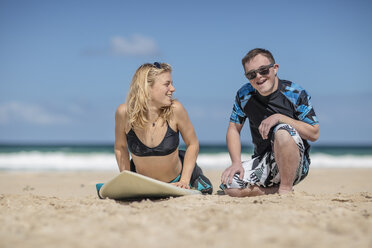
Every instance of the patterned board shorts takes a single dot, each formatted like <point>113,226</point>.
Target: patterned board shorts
<point>263,171</point>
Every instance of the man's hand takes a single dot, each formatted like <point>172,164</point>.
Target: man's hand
<point>229,173</point>
<point>267,124</point>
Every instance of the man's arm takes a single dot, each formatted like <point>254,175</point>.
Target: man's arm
<point>234,147</point>
<point>305,130</point>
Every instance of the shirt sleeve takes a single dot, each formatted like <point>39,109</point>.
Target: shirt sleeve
<point>305,111</point>
<point>237,115</point>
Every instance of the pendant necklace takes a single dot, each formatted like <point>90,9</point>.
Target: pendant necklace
<point>153,131</point>
<point>153,124</point>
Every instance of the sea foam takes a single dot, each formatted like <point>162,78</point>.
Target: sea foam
<point>60,161</point>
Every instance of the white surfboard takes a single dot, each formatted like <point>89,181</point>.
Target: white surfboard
<point>128,185</point>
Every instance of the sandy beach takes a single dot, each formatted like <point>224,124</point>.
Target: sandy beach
<point>330,208</point>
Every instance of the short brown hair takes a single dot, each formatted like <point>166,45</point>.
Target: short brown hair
<point>254,52</point>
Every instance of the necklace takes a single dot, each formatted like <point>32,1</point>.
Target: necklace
<point>154,126</point>
<point>155,121</point>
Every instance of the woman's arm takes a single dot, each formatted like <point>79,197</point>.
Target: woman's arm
<point>189,137</point>
<point>121,150</point>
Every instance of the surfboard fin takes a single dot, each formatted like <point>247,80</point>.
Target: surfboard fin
<point>98,187</point>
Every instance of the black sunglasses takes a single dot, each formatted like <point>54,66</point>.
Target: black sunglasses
<point>157,65</point>
<point>264,70</point>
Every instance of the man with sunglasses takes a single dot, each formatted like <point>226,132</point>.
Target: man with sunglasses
<point>281,120</point>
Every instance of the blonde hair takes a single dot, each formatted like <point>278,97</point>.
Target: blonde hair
<point>139,94</point>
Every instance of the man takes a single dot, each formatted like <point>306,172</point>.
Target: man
<point>281,120</point>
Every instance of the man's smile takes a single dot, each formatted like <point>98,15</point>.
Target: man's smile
<point>261,82</point>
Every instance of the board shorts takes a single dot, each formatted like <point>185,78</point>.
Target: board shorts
<point>263,170</point>
<point>198,180</point>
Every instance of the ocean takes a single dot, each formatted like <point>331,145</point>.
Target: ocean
<point>102,157</point>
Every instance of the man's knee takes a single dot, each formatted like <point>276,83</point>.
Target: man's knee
<point>284,139</point>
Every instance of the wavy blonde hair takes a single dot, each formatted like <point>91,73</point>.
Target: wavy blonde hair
<point>139,94</point>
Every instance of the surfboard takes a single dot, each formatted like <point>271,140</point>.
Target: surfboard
<point>131,185</point>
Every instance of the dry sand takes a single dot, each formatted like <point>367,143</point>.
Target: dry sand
<point>330,208</point>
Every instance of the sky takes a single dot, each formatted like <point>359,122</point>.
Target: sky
<point>65,66</point>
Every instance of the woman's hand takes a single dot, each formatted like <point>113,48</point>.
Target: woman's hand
<point>181,184</point>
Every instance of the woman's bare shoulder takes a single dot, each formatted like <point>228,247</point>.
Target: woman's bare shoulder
<point>179,112</point>
<point>121,117</point>
<point>121,110</point>
<point>178,108</point>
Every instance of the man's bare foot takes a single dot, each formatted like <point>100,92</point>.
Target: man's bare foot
<point>285,191</point>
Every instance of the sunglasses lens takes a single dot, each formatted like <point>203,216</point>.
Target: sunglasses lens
<point>251,75</point>
<point>157,65</point>
<point>264,71</point>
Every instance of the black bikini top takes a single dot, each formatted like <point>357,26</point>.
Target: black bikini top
<point>168,145</point>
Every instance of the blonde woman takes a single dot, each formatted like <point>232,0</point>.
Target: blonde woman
<point>147,126</point>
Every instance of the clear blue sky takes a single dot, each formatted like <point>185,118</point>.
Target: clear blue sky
<point>66,65</point>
